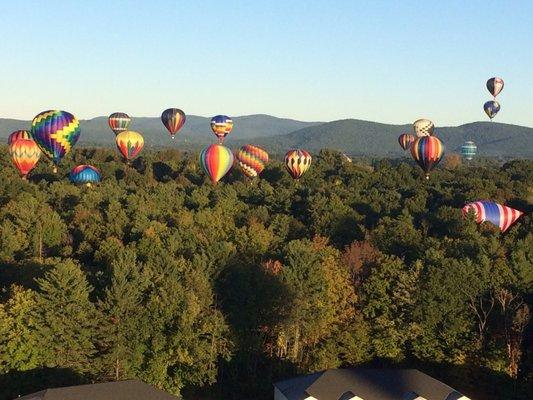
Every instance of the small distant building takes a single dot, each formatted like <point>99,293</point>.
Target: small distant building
<point>121,390</point>
<point>365,384</point>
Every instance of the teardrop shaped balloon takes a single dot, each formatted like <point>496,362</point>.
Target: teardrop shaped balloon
<point>216,160</point>
<point>119,122</point>
<point>85,174</point>
<point>173,119</point>
<point>488,211</point>
<point>406,140</point>
<point>18,135</point>
<point>423,127</point>
<point>55,132</point>
<point>427,151</point>
<point>491,107</point>
<point>130,144</point>
<point>468,150</point>
<point>297,162</point>
<point>495,86</point>
<point>25,153</point>
<point>252,160</point>
<point>221,125</point>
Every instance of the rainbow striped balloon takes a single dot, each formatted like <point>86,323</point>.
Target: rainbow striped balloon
<point>119,122</point>
<point>427,151</point>
<point>25,153</point>
<point>55,132</point>
<point>130,144</point>
<point>221,125</point>
<point>216,160</point>
<point>489,211</point>
<point>85,174</point>
<point>297,162</point>
<point>406,140</point>
<point>18,135</point>
<point>252,160</point>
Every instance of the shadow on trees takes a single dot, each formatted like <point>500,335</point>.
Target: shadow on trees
<point>20,383</point>
<point>23,274</point>
<point>162,172</point>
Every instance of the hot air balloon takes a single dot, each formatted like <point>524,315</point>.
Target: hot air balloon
<point>468,150</point>
<point>427,152</point>
<point>406,140</point>
<point>252,160</point>
<point>18,135</point>
<point>221,126</point>
<point>119,122</point>
<point>501,216</point>
<point>491,108</point>
<point>25,153</point>
<point>130,144</point>
<point>495,86</point>
<point>297,162</point>
<point>423,127</point>
<point>55,132</point>
<point>216,160</point>
<point>173,119</point>
<point>85,174</point>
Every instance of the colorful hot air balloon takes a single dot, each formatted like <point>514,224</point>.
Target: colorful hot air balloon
<point>495,86</point>
<point>25,153</point>
<point>501,216</point>
<point>297,162</point>
<point>173,119</point>
<point>119,122</point>
<point>427,151</point>
<point>221,126</point>
<point>252,160</point>
<point>216,160</point>
<point>55,132</point>
<point>130,144</point>
<point>423,127</point>
<point>18,135</point>
<point>468,150</point>
<point>491,108</point>
<point>85,174</point>
<point>406,140</point>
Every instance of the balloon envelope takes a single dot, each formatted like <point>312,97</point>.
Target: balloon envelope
<point>468,150</point>
<point>495,86</point>
<point>297,162</point>
<point>85,174</point>
<point>221,125</point>
<point>497,214</point>
<point>491,108</point>
<point>406,140</point>
<point>423,127</point>
<point>252,160</point>
<point>119,122</point>
<point>427,151</point>
<point>18,135</point>
<point>25,153</point>
<point>173,119</point>
<point>130,144</point>
<point>55,132</point>
<point>216,160</point>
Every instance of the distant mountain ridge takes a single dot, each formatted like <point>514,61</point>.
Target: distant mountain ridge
<point>354,137</point>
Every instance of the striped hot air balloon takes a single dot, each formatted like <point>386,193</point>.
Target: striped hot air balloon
<point>85,174</point>
<point>297,162</point>
<point>221,125</point>
<point>119,122</point>
<point>216,160</point>
<point>406,140</point>
<point>468,150</point>
<point>488,211</point>
<point>252,160</point>
<point>130,144</point>
<point>495,86</point>
<point>423,127</point>
<point>25,153</point>
<point>18,135</point>
<point>427,151</point>
<point>55,132</point>
<point>173,119</point>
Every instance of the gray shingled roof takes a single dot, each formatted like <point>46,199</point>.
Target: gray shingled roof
<point>122,390</point>
<point>368,384</point>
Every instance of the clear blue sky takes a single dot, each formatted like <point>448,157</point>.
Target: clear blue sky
<point>387,61</point>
